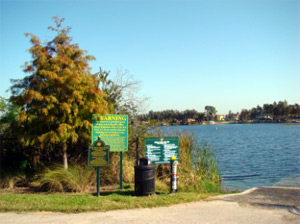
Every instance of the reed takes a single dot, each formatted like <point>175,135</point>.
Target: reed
<point>198,168</point>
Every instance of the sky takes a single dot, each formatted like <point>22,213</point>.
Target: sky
<point>187,54</point>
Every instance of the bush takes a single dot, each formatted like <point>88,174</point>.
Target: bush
<point>78,178</point>
<point>13,181</point>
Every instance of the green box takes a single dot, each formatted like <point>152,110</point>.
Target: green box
<point>160,149</point>
<point>113,130</point>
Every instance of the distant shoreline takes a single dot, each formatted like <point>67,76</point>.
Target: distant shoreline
<point>288,123</point>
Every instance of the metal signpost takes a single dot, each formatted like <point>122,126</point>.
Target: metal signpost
<point>98,157</point>
<point>113,130</point>
<point>160,150</point>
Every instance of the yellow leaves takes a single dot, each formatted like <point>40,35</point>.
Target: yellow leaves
<point>51,99</point>
<point>75,110</point>
<point>31,117</point>
<point>48,74</point>
<point>51,102</point>
<point>89,58</point>
<point>30,95</point>
<point>69,51</point>
<point>67,72</point>
<point>63,131</point>
<point>86,124</point>
<point>50,119</point>
<point>44,111</point>
<point>48,138</point>
<point>65,107</point>
<point>78,97</point>
<point>22,116</point>
<point>34,40</point>
<point>66,132</point>
<point>55,68</point>
<point>28,68</point>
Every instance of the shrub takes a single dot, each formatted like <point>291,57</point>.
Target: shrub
<point>13,181</point>
<point>78,178</point>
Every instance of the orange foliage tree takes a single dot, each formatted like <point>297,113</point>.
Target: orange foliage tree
<point>59,95</point>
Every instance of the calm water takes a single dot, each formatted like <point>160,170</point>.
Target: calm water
<point>253,155</point>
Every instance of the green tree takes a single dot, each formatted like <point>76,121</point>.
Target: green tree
<point>59,96</point>
<point>245,116</point>
<point>210,111</point>
<point>296,110</point>
<point>267,109</point>
<point>8,114</point>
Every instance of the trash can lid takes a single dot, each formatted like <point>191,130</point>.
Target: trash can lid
<point>144,162</point>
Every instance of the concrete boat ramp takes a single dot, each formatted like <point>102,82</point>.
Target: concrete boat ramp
<point>266,205</point>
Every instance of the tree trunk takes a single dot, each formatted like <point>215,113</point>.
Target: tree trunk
<point>65,156</point>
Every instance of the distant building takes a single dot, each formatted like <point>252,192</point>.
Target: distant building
<point>220,117</point>
<point>264,117</point>
<point>191,121</point>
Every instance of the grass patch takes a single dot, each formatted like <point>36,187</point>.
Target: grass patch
<point>111,200</point>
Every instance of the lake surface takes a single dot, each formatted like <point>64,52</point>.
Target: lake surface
<point>252,155</point>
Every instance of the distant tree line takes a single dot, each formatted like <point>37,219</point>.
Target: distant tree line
<point>276,111</point>
<point>173,116</point>
<point>267,112</point>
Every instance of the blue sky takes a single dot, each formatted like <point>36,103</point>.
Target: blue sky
<point>231,54</point>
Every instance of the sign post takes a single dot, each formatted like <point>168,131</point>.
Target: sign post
<point>98,157</point>
<point>112,129</point>
<point>160,150</point>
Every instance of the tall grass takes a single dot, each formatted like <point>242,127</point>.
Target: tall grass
<point>12,181</point>
<point>110,175</point>
<point>78,178</point>
<point>198,168</point>
<point>197,171</point>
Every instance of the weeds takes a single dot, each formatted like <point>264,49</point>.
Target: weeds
<point>198,168</point>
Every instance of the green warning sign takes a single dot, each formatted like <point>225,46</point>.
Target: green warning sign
<point>113,130</point>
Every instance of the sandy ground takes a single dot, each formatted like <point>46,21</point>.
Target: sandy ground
<point>259,205</point>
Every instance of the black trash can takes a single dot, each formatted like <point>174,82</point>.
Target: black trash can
<point>144,176</point>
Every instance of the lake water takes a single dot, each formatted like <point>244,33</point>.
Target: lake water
<point>252,155</point>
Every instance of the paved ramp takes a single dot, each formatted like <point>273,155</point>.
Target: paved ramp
<point>276,197</point>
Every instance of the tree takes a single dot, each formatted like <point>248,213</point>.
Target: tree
<point>121,93</point>
<point>267,109</point>
<point>8,114</point>
<point>296,110</point>
<point>59,96</point>
<point>210,111</point>
<point>245,116</point>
